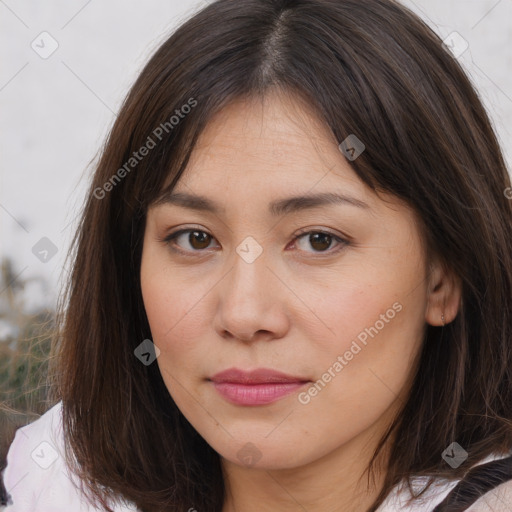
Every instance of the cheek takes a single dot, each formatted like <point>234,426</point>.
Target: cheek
<point>174,314</point>
<point>351,302</point>
<point>372,325</point>
<point>175,309</point>
<point>160,290</point>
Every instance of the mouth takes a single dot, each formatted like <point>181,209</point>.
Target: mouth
<point>257,387</point>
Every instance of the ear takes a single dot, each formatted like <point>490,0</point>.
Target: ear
<point>444,292</point>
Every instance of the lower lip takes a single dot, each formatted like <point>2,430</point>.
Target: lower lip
<point>256,394</point>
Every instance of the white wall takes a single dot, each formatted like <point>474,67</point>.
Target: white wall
<point>56,111</point>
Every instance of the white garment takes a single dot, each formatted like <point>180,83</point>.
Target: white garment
<point>38,479</point>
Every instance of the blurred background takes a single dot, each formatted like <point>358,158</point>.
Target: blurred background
<point>65,69</point>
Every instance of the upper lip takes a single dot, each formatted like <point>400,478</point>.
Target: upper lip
<point>257,376</point>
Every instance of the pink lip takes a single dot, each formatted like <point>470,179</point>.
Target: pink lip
<point>256,387</point>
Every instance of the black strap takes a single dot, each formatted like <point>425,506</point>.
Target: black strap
<point>478,481</point>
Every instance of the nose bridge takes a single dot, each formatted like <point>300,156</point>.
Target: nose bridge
<point>247,297</point>
<point>249,273</point>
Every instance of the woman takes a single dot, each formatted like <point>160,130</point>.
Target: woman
<point>292,281</point>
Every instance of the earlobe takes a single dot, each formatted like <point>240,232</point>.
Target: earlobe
<point>444,292</point>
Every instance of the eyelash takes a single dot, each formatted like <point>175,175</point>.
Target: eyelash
<point>170,238</point>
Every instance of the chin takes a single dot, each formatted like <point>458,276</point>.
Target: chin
<point>263,456</point>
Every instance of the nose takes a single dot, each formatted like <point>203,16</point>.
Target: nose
<point>251,302</point>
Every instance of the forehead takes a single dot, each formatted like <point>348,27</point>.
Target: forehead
<point>281,122</point>
<point>276,140</point>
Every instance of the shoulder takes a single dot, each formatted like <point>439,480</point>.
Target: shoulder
<point>400,499</point>
<point>36,476</point>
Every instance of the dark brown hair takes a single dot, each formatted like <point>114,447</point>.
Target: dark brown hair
<point>372,69</point>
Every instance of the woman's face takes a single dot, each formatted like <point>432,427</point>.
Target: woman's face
<point>340,311</point>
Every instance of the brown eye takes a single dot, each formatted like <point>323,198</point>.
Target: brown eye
<point>196,240</point>
<point>320,241</point>
<point>200,238</point>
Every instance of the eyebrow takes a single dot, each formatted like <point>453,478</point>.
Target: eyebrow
<point>277,208</point>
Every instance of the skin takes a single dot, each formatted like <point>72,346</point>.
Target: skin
<point>296,308</point>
